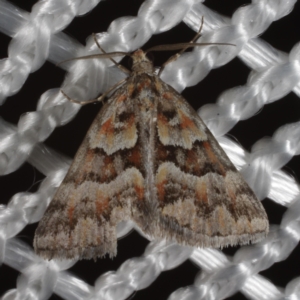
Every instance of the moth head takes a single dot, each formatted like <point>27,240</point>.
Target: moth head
<point>140,62</point>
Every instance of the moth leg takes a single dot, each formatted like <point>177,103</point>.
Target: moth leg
<point>97,99</point>
<point>122,68</point>
<point>176,56</point>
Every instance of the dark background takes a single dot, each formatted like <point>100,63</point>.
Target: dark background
<point>282,34</point>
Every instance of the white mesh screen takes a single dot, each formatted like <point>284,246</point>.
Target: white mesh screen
<point>235,107</point>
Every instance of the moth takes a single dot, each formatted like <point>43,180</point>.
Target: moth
<point>148,157</point>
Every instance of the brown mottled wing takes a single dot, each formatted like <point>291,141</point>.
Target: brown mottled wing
<point>202,199</point>
<point>103,181</point>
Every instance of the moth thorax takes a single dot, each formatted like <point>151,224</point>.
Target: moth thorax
<point>141,63</point>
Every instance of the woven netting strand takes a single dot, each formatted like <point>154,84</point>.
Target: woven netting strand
<point>37,37</point>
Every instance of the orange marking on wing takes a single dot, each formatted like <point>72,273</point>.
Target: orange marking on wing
<point>107,130</point>
<point>108,161</point>
<point>102,203</point>
<point>86,166</point>
<point>186,122</point>
<point>121,98</point>
<point>109,168</point>
<point>161,182</point>
<point>167,96</point>
<point>201,192</point>
<point>213,158</point>
<point>143,84</point>
<point>139,191</point>
<point>161,153</point>
<point>135,156</point>
<point>89,157</point>
<point>192,161</point>
<point>71,207</point>
<point>161,190</point>
<point>163,126</point>
<point>130,129</point>
<point>130,121</point>
<point>130,89</point>
<point>161,118</point>
<point>107,127</point>
<point>138,186</point>
<point>71,212</point>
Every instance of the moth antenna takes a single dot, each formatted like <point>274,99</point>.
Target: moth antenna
<point>177,55</point>
<point>99,99</point>
<point>100,55</point>
<point>122,68</point>
<point>184,45</point>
